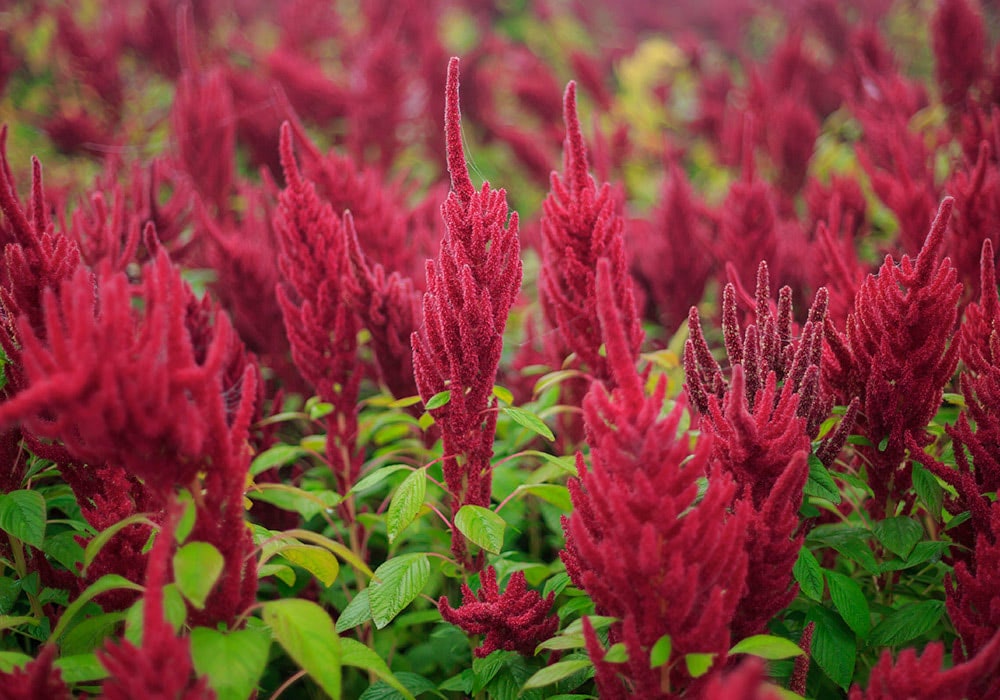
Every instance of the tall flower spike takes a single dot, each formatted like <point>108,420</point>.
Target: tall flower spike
<point>517,620</point>
<point>471,287</point>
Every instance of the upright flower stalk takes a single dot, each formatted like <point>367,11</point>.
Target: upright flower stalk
<point>471,287</point>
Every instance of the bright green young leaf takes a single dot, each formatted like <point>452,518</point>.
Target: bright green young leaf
<point>768,647</point>
<point>528,420</point>
<point>556,672</point>
<point>553,379</point>
<point>357,612</point>
<point>405,402</point>
<point>376,477</point>
<point>906,624</point>
<point>197,566</point>
<point>563,641</point>
<point>556,494</point>
<point>175,610</point>
<point>96,544</point>
<point>616,653</point>
<point>481,526</point>
<point>307,633</point>
<point>186,522</point>
<point>308,504</point>
<point>22,514</point>
<point>850,602</point>
<point>504,394</point>
<point>280,571</point>
<point>833,645</point>
<point>438,400</point>
<point>317,561</point>
<point>318,410</point>
<point>660,653</point>
<point>356,654</point>
<point>820,483</point>
<point>108,582</point>
<point>809,574</point>
<point>395,584</point>
<point>406,503</point>
<point>344,553</point>
<point>899,535</point>
<point>425,421</point>
<point>277,456</point>
<point>9,660</point>
<point>233,662</point>
<point>698,664</point>
<point>598,622</point>
<point>80,668</point>
<point>313,443</point>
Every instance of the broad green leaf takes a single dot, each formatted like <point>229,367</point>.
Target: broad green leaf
<point>22,515</point>
<point>481,526</point>
<point>598,622</point>
<point>486,669</point>
<point>95,545</point>
<point>357,612</point>
<point>556,494</point>
<point>820,483</point>
<point>616,654</point>
<point>376,477</point>
<point>928,490</point>
<point>768,647</point>
<point>395,584</point>
<point>850,602</point>
<point>438,400</point>
<point>108,582</point>
<point>425,421</point>
<point>318,409</point>
<point>556,672</point>
<point>899,535</point>
<point>556,584</point>
<point>698,664</point>
<point>80,668</point>
<point>197,566</point>
<point>308,504</point>
<point>852,542</point>
<point>528,420</point>
<point>233,662</point>
<point>406,503</point>
<point>280,571</point>
<point>313,443</point>
<point>503,393</point>
<point>354,653</point>
<point>566,464</point>
<point>563,641</point>
<point>277,456</point>
<point>906,624</point>
<point>833,645</point>
<point>336,547</point>
<point>307,633</point>
<point>660,653</point>
<point>90,633</point>
<point>809,575</point>
<point>9,660</point>
<point>317,561</point>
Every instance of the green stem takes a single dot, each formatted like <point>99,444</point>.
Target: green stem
<point>21,566</point>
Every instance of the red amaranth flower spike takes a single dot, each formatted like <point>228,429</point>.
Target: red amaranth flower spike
<point>959,40</point>
<point>39,680</point>
<point>516,620</point>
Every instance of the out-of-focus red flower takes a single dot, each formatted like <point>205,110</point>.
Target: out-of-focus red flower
<point>959,40</point>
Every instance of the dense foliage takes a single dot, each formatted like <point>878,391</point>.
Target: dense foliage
<point>696,396</point>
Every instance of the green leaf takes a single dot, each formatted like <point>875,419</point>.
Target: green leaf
<point>616,654</point>
<point>850,602</point>
<point>820,483</point>
<point>336,547</point>
<point>277,456</point>
<point>64,548</point>
<point>555,673</point>
<point>308,504</point>
<point>660,653</point>
<point>556,494</point>
<point>377,477</point>
<point>563,641</point>
<point>9,660</point>
<point>486,669</point>
<point>503,394</point>
<point>698,664</point>
<point>481,526</point>
<point>108,582</point>
<point>307,633</point>
<point>928,490</point>
<point>90,633</point>
<point>175,610</point>
<point>853,544</point>
<point>188,517</point>
<point>395,584</point>
<point>906,624</point>
<point>598,622</point>
<point>528,420</point>
<point>405,402</point>
<point>768,647</point>
<point>833,645</point>
<point>899,535</point>
<point>425,421</point>
<point>809,574</point>
<point>357,612</point>
<point>438,400</point>
<point>883,443</point>
<point>317,561</point>
<point>11,621</point>
<point>197,566</point>
<point>95,545</point>
<point>406,503</point>
<point>80,668</point>
<point>280,571</point>
<point>356,654</point>
<point>233,662</point>
<point>22,515</point>
<point>414,683</point>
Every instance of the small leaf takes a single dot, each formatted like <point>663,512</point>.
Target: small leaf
<point>100,539</point>
<point>555,673</point>
<point>186,522</point>
<point>529,421</point>
<point>277,456</point>
<point>357,612</point>
<point>809,575</point>
<point>307,633</point>
<point>356,654</point>
<point>883,443</point>
<point>660,653</point>
<point>108,582</point>
<point>425,421</point>
<point>197,566</point>
<point>768,647</point>
<point>850,602</point>
<point>820,483</point>
<point>233,662</point>
<point>616,654</point>
<point>438,400</point>
<point>899,535</point>
<point>22,515</point>
<point>698,664</point>
<point>906,624</point>
<point>405,402</point>
<point>280,571</point>
<point>481,526</point>
<point>317,561</point>
<point>395,584</point>
<point>406,503</point>
<point>503,394</point>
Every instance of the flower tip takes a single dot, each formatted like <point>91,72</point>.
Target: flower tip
<point>461,184</point>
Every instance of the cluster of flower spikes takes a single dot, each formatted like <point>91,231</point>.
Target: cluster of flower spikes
<point>517,620</point>
<point>136,387</point>
<point>896,355</point>
<point>762,433</point>
<point>638,541</point>
<point>471,287</point>
<point>134,671</point>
